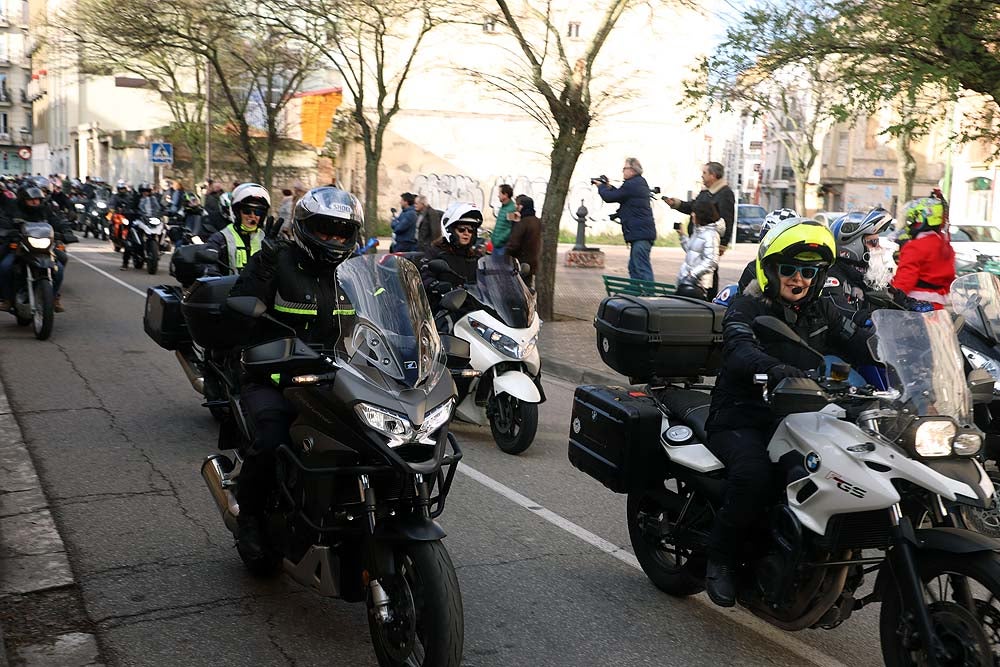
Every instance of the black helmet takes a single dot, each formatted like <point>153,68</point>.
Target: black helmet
<point>34,212</point>
<point>145,187</point>
<point>327,212</point>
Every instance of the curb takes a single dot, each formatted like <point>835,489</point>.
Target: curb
<point>33,557</point>
<point>581,375</point>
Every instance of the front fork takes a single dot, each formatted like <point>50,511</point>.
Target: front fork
<point>903,561</point>
<point>29,274</point>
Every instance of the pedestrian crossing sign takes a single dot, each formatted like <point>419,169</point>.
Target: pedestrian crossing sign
<point>161,153</point>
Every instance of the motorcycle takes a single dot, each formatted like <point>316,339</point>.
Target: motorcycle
<point>96,221</point>
<point>34,265</point>
<point>143,236</point>
<point>859,463</point>
<point>492,350</point>
<point>370,460</point>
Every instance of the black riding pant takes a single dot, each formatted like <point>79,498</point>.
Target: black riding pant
<point>270,415</point>
<point>749,470</point>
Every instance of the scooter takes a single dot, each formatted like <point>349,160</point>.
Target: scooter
<point>491,338</point>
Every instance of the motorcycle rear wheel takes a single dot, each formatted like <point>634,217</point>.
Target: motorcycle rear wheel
<point>428,624</point>
<point>668,566</point>
<point>972,637</point>
<point>44,315</point>
<point>513,423</point>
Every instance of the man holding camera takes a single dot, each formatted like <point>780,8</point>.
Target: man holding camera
<point>635,215</point>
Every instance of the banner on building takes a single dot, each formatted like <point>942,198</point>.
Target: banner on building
<point>317,112</point>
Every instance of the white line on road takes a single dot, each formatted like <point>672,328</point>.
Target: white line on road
<point>793,645</point>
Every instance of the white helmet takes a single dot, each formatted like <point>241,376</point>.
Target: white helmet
<point>250,194</point>
<point>461,212</point>
<point>774,217</point>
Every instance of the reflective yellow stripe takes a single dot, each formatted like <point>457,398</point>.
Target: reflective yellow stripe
<point>294,311</point>
<point>379,291</point>
<point>276,378</point>
<point>346,311</point>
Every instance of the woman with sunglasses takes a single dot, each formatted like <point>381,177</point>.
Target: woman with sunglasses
<point>240,240</point>
<point>854,277</point>
<point>457,247</point>
<point>791,268</point>
<point>926,262</point>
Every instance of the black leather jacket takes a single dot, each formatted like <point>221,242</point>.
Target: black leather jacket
<point>736,401</point>
<point>463,264</point>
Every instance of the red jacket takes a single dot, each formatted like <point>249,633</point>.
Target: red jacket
<point>926,268</point>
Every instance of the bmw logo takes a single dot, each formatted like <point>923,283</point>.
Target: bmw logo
<point>812,461</point>
<point>576,426</point>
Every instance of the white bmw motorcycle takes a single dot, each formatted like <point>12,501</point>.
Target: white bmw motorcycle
<point>492,351</point>
<point>863,463</point>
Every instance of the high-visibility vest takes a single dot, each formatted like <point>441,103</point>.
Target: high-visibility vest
<point>237,248</point>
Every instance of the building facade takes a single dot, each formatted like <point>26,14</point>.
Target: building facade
<point>15,78</point>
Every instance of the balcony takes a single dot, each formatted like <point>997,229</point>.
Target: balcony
<point>36,89</point>
<point>6,99</point>
<point>5,138</point>
<point>4,21</point>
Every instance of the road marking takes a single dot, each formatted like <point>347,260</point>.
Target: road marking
<point>779,637</point>
<point>776,636</point>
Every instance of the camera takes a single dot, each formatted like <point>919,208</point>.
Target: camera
<point>600,179</point>
<point>677,226</point>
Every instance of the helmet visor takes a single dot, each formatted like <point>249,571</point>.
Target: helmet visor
<point>330,229</point>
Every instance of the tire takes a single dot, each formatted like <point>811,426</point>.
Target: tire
<point>428,625</point>
<point>44,315</point>
<point>675,574</point>
<point>973,638</point>
<point>152,256</point>
<point>512,422</point>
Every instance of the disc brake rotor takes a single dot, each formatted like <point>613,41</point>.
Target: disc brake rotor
<point>961,635</point>
<point>399,635</point>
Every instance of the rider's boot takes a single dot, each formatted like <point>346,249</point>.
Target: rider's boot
<point>57,304</point>
<point>719,583</point>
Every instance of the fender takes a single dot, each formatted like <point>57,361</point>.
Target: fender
<point>39,260</point>
<point>409,529</point>
<point>519,385</point>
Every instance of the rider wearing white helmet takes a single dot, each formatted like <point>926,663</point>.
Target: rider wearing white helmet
<point>241,239</point>
<point>457,247</point>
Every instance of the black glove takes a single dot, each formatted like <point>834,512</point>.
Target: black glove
<point>779,372</point>
<point>272,241</point>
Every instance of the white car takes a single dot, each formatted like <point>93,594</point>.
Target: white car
<point>828,217</point>
<point>972,241</point>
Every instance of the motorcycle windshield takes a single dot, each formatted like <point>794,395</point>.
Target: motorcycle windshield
<point>393,333</point>
<point>925,363</point>
<point>499,287</point>
<point>976,297</point>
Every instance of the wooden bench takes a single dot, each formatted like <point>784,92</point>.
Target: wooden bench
<point>631,287</point>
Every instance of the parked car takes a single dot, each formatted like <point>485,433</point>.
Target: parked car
<point>749,218</point>
<point>972,242</point>
<point>828,217</point>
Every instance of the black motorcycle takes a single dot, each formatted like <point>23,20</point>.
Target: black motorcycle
<point>34,266</point>
<point>370,460</point>
<point>96,222</point>
<point>143,237</point>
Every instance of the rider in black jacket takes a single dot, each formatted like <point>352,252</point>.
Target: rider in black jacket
<point>31,206</point>
<point>792,262</point>
<point>298,283</point>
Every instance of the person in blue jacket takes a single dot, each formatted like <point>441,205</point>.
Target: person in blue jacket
<point>404,225</point>
<point>635,214</point>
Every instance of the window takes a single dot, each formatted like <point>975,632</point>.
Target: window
<point>843,144</point>
<point>574,29</point>
<point>3,123</point>
<point>490,23</point>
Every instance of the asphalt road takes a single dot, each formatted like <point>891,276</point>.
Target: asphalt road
<point>118,437</point>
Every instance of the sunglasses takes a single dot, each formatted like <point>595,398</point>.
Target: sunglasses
<point>464,229</point>
<point>789,270</point>
<point>254,210</point>
<point>871,243</point>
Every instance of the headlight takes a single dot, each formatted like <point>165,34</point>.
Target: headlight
<point>79,207</point>
<point>933,438</point>
<point>398,428</point>
<point>502,343</point>
<point>967,444</point>
<point>988,364</point>
<point>101,204</point>
<point>154,221</point>
<point>39,243</point>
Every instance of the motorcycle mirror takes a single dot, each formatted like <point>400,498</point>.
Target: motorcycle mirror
<point>525,269</point>
<point>453,300</point>
<point>249,306</point>
<point>872,343</point>
<point>981,383</point>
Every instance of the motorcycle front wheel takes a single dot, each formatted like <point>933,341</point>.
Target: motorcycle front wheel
<point>426,627</point>
<point>152,256</point>
<point>44,313</point>
<point>962,592</point>
<point>512,422</point>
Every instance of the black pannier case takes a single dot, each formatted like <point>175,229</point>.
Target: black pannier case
<point>660,337</point>
<point>211,323</point>
<point>615,437</point>
<point>163,320</point>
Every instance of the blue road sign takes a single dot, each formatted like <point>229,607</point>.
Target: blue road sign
<point>161,153</point>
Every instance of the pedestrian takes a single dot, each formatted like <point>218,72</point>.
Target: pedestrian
<point>404,225</point>
<point>701,248</point>
<point>285,207</point>
<point>177,197</point>
<point>525,243</point>
<point>502,228</point>
<point>428,223</point>
<point>635,215</point>
<point>718,192</point>
<point>212,194</point>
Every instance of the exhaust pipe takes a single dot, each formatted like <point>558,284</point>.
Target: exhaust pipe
<point>193,375</point>
<point>214,471</point>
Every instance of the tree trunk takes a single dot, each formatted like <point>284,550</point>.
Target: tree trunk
<point>907,166</point>
<point>372,215</point>
<point>801,182</point>
<point>565,153</point>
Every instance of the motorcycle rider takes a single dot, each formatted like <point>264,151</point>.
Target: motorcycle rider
<point>848,282</point>
<point>30,207</point>
<point>927,261</point>
<point>122,200</point>
<point>457,247</point>
<point>297,281</point>
<point>242,238</point>
<point>792,263</point>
